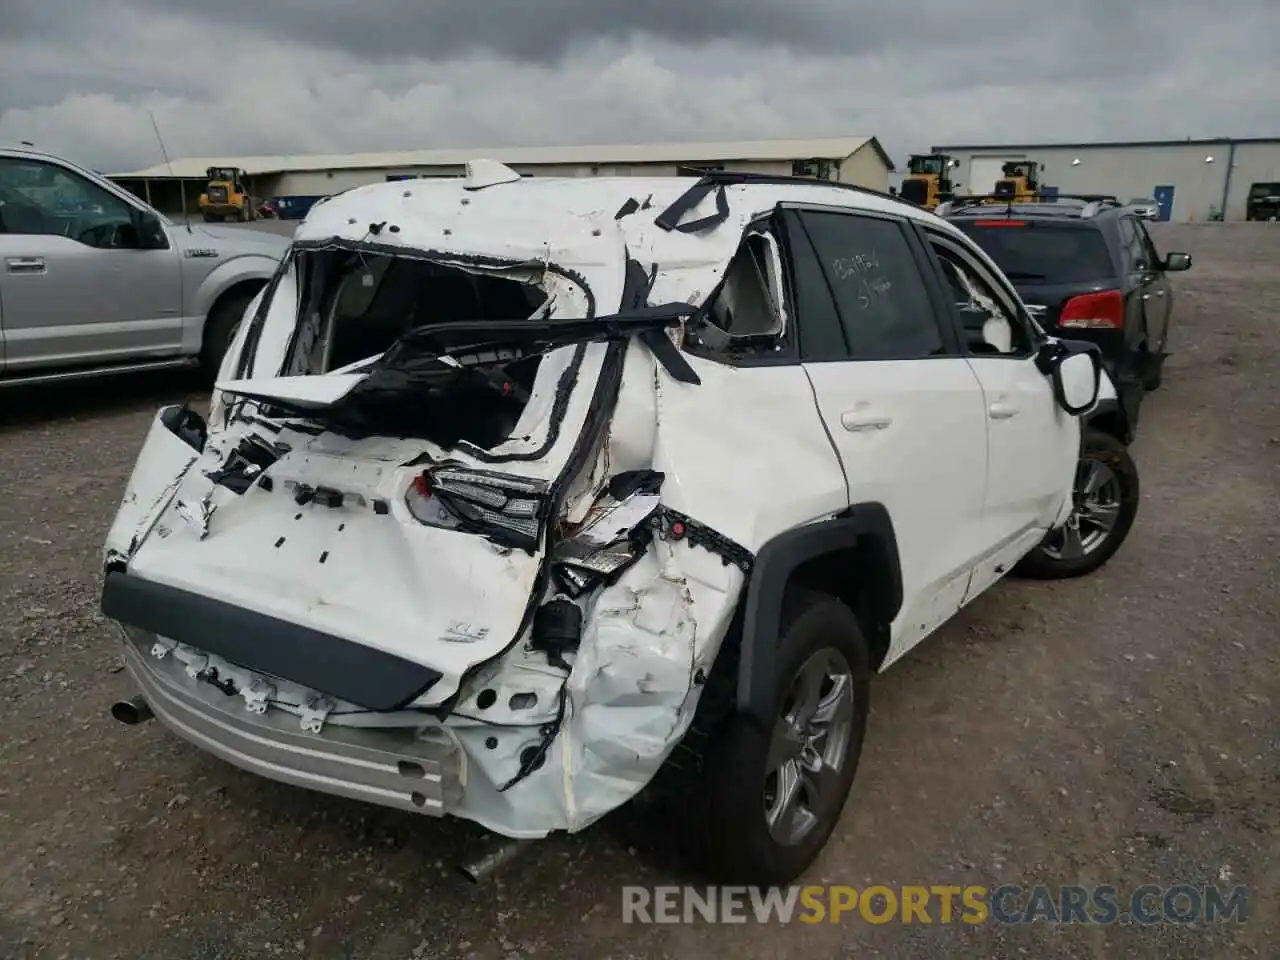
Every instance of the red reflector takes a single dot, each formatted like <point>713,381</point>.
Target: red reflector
<point>999,223</point>
<point>1103,310</point>
<point>420,485</point>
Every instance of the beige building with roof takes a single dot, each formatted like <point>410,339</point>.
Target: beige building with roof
<point>857,160</point>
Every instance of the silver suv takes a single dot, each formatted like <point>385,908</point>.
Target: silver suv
<point>95,281</point>
<point>518,496</point>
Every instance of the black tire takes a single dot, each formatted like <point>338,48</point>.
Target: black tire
<point>1049,561</point>
<point>1153,372</point>
<point>219,329</point>
<point>725,823</point>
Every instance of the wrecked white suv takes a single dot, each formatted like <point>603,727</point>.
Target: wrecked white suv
<point>517,496</point>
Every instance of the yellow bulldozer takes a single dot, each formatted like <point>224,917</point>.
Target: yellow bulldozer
<point>1020,182</point>
<point>225,196</point>
<point>928,179</point>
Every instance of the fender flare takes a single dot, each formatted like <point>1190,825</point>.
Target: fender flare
<point>1118,423</point>
<point>246,266</point>
<point>772,571</point>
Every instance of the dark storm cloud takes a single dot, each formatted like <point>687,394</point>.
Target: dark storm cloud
<point>294,76</point>
<point>529,30</point>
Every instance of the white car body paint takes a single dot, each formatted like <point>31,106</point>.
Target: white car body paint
<point>457,603</point>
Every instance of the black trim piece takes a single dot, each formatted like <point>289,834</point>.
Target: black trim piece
<point>723,178</point>
<point>669,219</point>
<point>774,565</point>
<point>627,209</point>
<point>669,356</point>
<point>664,524</point>
<point>364,676</point>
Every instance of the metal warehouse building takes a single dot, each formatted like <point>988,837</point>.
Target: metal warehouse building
<point>1190,179</point>
<point>859,160</point>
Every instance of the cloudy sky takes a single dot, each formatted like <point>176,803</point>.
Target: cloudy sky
<point>305,76</point>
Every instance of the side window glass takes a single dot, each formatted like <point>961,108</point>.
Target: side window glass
<point>1135,252</point>
<point>880,296</point>
<point>989,322</point>
<point>747,314</point>
<point>818,325</point>
<point>1152,255</point>
<point>44,199</point>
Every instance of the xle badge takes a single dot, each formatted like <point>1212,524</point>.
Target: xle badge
<point>461,632</point>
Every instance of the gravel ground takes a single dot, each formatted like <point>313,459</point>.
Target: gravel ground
<point>1117,729</point>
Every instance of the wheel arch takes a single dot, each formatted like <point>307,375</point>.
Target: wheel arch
<point>1110,417</point>
<point>248,286</point>
<point>821,556</point>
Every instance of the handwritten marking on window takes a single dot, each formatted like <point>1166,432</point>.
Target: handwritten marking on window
<point>871,289</point>
<point>846,268</point>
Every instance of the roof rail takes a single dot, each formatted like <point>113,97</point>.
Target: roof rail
<point>669,219</point>
<point>1087,197</point>
<point>1093,207</point>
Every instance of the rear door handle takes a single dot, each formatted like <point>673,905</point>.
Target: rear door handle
<point>856,422</point>
<point>24,264</point>
<point>1000,410</point>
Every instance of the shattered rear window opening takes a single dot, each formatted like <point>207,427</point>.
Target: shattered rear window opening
<point>357,310</point>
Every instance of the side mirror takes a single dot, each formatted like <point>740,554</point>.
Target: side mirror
<point>1177,261</point>
<point>150,231</point>
<point>1075,367</point>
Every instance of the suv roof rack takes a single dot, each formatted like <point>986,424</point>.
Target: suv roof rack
<point>669,219</point>
<point>1093,202</point>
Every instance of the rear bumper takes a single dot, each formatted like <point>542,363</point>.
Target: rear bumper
<point>417,771</point>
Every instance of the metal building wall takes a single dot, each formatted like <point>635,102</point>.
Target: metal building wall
<point>865,167</point>
<point>1253,163</point>
<point>1131,171</point>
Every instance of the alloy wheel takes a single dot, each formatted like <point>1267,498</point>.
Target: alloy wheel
<point>808,747</point>
<point>1094,515</point>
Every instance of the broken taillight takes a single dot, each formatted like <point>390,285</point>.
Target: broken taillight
<point>1103,310</point>
<point>506,509</point>
<point>613,536</point>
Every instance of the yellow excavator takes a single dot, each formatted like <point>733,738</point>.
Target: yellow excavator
<point>928,179</point>
<point>1020,183</point>
<point>225,196</point>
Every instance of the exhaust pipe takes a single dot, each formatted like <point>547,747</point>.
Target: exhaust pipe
<point>131,711</point>
<point>499,854</point>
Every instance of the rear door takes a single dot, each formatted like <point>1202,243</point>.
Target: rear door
<point>1158,307</point>
<point>1032,443</point>
<point>900,403</point>
<point>1145,293</point>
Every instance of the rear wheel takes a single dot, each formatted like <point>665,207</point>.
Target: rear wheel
<point>1105,504</point>
<point>769,797</point>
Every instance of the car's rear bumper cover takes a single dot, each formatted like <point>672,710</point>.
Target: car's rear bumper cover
<point>418,770</point>
<point>351,671</point>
